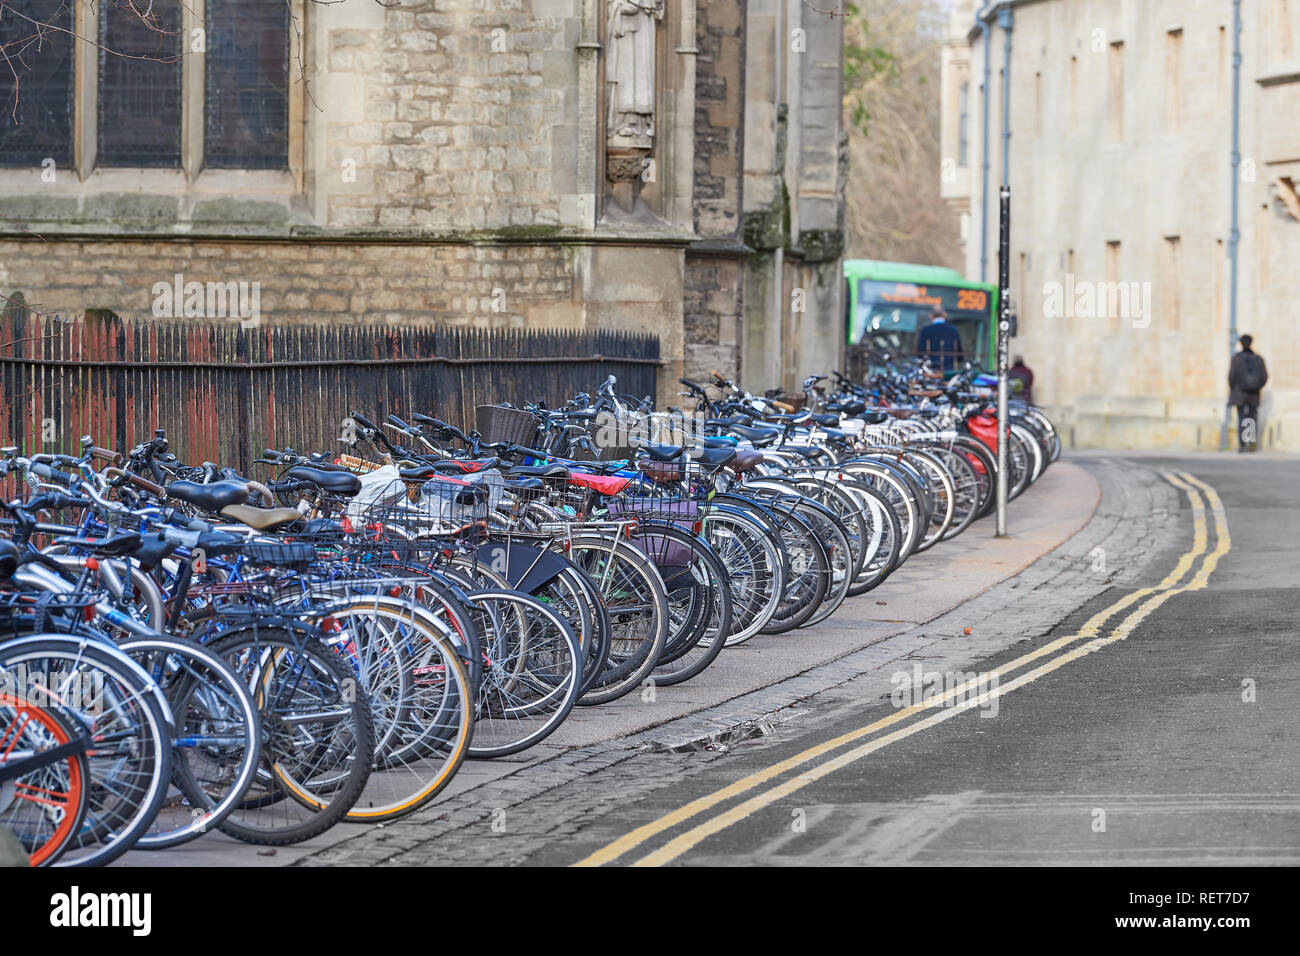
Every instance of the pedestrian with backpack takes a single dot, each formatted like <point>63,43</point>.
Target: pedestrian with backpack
<point>1247,376</point>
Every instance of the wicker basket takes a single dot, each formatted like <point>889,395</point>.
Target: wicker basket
<point>500,423</point>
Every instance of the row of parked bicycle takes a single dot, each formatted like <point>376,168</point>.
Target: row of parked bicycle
<point>184,649</point>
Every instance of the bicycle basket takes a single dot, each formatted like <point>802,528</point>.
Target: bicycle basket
<point>500,423</point>
<point>409,508</point>
<point>651,507</point>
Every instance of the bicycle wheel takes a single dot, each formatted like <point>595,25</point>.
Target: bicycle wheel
<point>216,738</point>
<point>699,601</point>
<point>825,490</point>
<point>808,570</point>
<point>421,701</point>
<point>634,597</point>
<point>834,539</point>
<point>43,807</point>
<point>317,729</point>
<point>965,488</point>
<point>596,651</point>
<point>885,536</point>
<point>532,673</point>
<point>746,546</point>
<point>897,494</point>
<point>1032,454</point>
<point>943,490</point>
<point>130,761</point>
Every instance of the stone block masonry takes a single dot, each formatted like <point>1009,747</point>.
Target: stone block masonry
<point>488,286</point>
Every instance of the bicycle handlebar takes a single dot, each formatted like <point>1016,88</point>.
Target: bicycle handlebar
<point>137,480</point>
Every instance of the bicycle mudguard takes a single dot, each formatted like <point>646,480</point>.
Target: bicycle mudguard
<point>524,567</point>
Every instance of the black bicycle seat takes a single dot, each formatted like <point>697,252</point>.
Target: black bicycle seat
<point>211,497</point>
<point>335,482</point>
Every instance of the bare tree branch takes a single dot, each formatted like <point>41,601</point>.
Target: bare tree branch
<point>891,101</point>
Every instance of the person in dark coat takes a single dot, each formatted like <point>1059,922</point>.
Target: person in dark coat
<point>940,343</point>
<point>1247,376</point>
<point>1021,371</point>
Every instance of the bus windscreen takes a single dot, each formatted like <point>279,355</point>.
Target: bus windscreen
<point>889,314</point>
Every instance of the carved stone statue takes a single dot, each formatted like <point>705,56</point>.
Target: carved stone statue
<point>630,71</point>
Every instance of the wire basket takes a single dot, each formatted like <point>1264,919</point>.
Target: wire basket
<point>411,508</point>
<point>26,612</point>
<point>501,423</point>
<point>538,501</point>
<point>665,508</point>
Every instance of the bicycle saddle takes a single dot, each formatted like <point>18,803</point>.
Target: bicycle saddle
<point>8,559</point>
<point>216,543</point>
<point>804,451</point>
<point>874,418</point>
<point>847,408</point>
<point>450,466</point>
<point>335,482</point>
<point>661,452</point>
<point>126,542</point>
<point>210,497</point>
<point>538,471</point>
<point>714,457</point>
<point>322,526</point>
<point>757,435</point>
<point>262,519</point>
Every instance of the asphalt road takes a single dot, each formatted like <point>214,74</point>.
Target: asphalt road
<point>1154,725</point>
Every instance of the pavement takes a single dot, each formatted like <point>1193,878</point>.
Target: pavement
<point>748,690</point>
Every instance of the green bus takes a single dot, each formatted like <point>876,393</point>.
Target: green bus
<point>888,303</point>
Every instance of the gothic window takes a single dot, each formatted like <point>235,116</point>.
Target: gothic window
<point>185,83</point>
<point>246,114</point>
<point>36,83</point>
<point>140,86</point>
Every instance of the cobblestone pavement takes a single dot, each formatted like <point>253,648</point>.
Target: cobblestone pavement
<point>558,810</point>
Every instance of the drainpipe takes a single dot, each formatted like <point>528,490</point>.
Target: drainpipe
<point>984,141</point>
<point>778,278</point>
<point>1234,234</point>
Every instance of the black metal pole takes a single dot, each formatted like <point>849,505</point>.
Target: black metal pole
<point>1004,330</point>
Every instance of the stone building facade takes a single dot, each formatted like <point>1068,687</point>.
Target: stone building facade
<point>1118,150</point>
<point>670,166</point>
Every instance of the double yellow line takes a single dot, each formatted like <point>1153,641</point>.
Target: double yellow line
<point>985,688</point>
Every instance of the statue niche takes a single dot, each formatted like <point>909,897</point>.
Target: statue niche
<point>630,94</point>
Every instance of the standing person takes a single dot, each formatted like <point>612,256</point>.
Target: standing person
<point>1247,376</point>
<point>940,343</point>
<point>1021,371</point>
